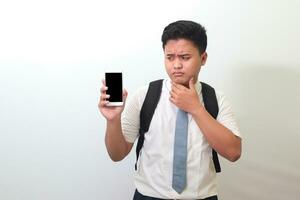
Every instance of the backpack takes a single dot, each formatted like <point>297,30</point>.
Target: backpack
<point>149,106</point>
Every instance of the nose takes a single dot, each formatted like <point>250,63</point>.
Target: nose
<point>177,64</point>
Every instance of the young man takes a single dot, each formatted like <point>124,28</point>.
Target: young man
<point>158,174</point>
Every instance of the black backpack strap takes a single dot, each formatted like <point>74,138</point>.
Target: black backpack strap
<point>211,105</point>
<point>147,111</point>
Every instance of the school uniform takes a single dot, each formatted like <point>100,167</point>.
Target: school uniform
<point>153,177</point>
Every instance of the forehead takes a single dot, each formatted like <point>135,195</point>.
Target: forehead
<point>180,46</point>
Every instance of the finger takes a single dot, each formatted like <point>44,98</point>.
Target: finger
<point>178,86</point>
<point>103,89</point>
<point>178,89</point>
<point>105,97</point>
<point>174,90</point>
<point>173,100</point>
<point>175,87</point>
<point>103,103</point>
<point>173,94</point>
<point>174,84</point>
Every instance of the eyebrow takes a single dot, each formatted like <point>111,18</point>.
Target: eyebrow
<point>184,54</point>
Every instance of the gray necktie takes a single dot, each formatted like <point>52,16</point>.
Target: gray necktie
<point>180,152</point>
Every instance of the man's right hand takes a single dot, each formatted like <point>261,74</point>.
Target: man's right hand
<point>110,112</point>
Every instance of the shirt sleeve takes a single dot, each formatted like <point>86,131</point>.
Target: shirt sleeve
<point>226,116</point>
<point>130,120</point>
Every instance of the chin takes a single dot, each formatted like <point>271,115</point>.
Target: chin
<point>180,80</point>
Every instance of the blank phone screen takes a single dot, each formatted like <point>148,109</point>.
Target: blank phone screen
<point>114,81</point>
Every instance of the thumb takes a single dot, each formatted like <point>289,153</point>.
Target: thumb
<point>191,83</point>
<point>125,94</point>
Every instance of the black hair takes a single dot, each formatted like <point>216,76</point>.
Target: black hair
<point>184,29</point>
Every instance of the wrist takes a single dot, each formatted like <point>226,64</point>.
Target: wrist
<point>114,120</point>
<point>198,111</point>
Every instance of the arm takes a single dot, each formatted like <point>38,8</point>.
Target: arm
<point>218,136</point>
<point>116,145</point>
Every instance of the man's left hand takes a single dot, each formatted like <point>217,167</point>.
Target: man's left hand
<point>185,98</point>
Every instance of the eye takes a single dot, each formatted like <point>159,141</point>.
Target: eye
<point>169,57</point>
<point>185,57</point>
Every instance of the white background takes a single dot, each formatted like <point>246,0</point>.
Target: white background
<point>52,58</point>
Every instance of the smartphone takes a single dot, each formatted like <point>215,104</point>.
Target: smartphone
<point>114,84</point>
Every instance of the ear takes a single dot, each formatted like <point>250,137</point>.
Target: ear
<point>203,58</point>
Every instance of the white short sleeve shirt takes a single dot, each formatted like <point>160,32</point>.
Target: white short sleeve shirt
<point>153,176</point>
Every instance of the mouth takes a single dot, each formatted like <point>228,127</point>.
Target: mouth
<point>177,74</point>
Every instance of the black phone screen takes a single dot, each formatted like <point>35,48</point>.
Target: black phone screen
<point>114,81</point>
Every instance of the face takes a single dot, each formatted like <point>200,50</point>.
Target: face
<point>183,60</point>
